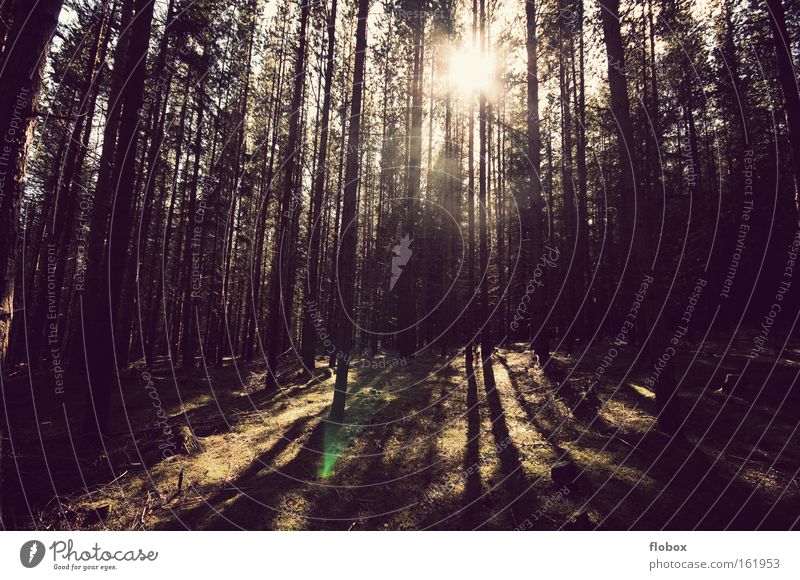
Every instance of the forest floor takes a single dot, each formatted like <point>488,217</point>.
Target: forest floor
<point>428,446</point>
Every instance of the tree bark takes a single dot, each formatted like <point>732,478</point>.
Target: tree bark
<point>279,322</point>
<point>309,345</point>
<point>787,77</point>
<point>538,331</point>
<point>348,239</point>
<point>111,219</point>
<point>21,72</point>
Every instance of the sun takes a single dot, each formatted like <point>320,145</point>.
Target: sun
<point>470,71</point>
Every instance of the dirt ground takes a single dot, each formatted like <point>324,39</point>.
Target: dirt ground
<point>432,444</point>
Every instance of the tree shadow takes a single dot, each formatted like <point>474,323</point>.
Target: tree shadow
<point>208,507</point>
<point>515,485</point>
<point>384,484</point>
<point>321,485</point>
<point>676,484</point>
<point>472,490</point>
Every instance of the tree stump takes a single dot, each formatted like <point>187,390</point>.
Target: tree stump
<point>188,444</point>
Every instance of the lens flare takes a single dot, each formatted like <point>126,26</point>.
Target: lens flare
<point>470,71</point>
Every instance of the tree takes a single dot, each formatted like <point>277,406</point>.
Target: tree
<point>111,219</point>
<point>280,309</point>
<point>312,292</point>
<point>407,283</point>
<point>787,77</point>
<point>483,251</point>
<point>348,239</point>
<point>536,202</point>
<point>22,63</point>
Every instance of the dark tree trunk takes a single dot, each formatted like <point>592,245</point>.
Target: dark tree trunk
<point>483,253</point>
<point>21,72</point>
<point>538,331</point>
<point>621,110</point>
<point>111,219</point>
<point>280,309</point>
<point>309,345</point>
<point>471,326</point>
<point>193,249</point>
<point>348,239</point>
<point>406,283</point>
<point>787,77</point>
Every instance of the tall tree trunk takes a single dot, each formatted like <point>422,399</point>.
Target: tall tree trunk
<point>57,229</point>
<point>309,345</point>
<point>787,77</point>
<point>582,241</point>
<point>570,223</point>
<point>279,322</point>
<point>621,110</point>
<point>407,281</point>
<point>538,332</point>
<point>21,73</point>
<point>483,252</point>
<point>348,239</point>
<point>111,219</point>
<point>471,326</point>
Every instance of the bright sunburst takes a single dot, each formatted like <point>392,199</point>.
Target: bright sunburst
<point>470,71</point>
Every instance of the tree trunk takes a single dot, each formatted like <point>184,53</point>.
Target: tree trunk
<point>787,77</point>
<point>483,252</point>
<point>279,322</point>
<point>538,331</point>
<point>111,219</point>
<point>193,249</point>
<point>471,326</point>
<point>621,110</point>
<point>407,281</point>
<point>309,345</point>
<point>348,239</point>
<point>21,73</point>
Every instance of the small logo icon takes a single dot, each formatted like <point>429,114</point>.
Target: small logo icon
<point>401,254</point>
<point>31,553</point>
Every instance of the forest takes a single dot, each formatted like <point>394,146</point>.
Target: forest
<point>399,264</point>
